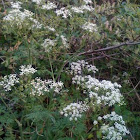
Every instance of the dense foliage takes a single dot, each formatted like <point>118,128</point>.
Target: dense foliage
<point>69,70</point>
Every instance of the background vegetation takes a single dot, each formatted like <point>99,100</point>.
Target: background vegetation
<point>114,49</point>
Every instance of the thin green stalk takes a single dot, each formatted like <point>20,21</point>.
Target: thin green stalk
<point>29,51</point>
<point>51,68</point>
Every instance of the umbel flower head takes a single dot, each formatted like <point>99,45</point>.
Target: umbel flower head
<point>90,27</point>
<point>9,81</point>
<point>74,110</point>
<point>115,128</point>
<point>16,5</point>
<point>26,70</point>
<point>38,1</point>
<point>41,87</point>
<point>64,12</point>
<point>48,44</point>
<point>49,6</point>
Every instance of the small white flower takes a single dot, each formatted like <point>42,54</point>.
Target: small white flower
<point>70,118</point>
<point>95,122</point>
<point>75,119</point>
<point>99,118</point>
<point>65,114</point>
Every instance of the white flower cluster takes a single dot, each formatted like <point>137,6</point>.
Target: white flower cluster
<point>108,99</point>
<point>49,6</point>
<point>56,86</point>
<point>102,92</point>
<point>88,1</point>
<point>87,8</point>
<point>64,41</point>
<point>39,87</point>
<point>50,28</point>
<point>48,43</point>
<point>26,70</point>
<point>82,8</point>
<point>115,131</point>
<point>16,5</point>
<point>38,1</point>
<point>74,110</point>
<point>110,92</point>
<point>78,67</point>
<point>17,16</point>
<point>90,27</point>
<point>64,12</point>
<point>114,117</point>
<point>8,81</point>
<point>77,9</point>
<point>36,24</point>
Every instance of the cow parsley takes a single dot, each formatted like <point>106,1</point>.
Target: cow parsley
<point>90,27</point>
<point>26,70</point>
<point>49,6</point>
<point>16,5</point>
<point>77,9</point>
<point>39,2</point>
<point>9,81</point>
<point>115,128</point>
<point>48,43</point>
<point>87,8</point>
<point>77,68</point>
<point>50,28</point>
<point>74,110</point>
<point>64,12</point>
<point>64,41</point>
<point>101,92</point>
<point>15,16</point>
<point>88,1</point>
<point>40,87</point>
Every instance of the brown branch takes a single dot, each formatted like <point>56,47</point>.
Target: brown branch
<point>134,89</point>
<point>110,48</point>
<point>100,57</point>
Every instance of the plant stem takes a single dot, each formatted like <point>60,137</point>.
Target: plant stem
<point>51,68</point>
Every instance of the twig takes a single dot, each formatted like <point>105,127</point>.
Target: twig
<point>110,48</point>
<point>134,89</point>
<point>100,57</point>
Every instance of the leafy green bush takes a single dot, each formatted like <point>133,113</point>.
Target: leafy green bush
<point>50,88</point>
